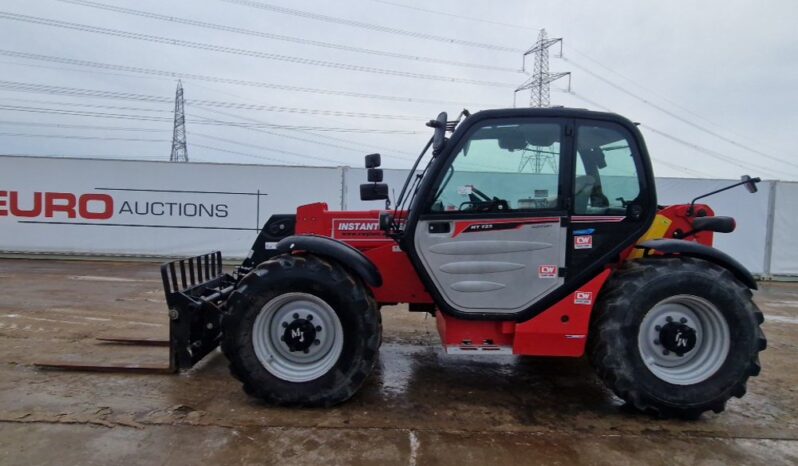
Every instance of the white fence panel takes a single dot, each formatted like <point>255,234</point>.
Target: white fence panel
<point>747,242</point>
<point>80,206</point>
<point>784,260</point>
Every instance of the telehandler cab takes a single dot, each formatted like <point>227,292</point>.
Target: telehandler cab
<point>529,232</point>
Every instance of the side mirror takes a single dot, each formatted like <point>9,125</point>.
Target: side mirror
<point>373,161</point>
<point>750,183</point>
<point>439,136</point>
<point>375,175</point>
<point>373,191</point>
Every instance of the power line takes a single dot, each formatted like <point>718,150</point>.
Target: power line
<point>280,37</point>
<point>607,68</point>
<point>678,117</point>
<point>80,92</point>
<point>243,52</point>
<point>87,105</point>
<point>338,146</point>
<point>655,93</point>
<point>640,86</point>
<point>369,26</point>
<point>241,153</point>
<point>163,141</point>
<point>91,156</point>
<point>237,82</point>
<point>201,122</point>
<point>268,149</point>
<point>714,154</point>
<point>90,127</point>
<point>314,135</point>
<point>452,15</point>
<point>102,138</point>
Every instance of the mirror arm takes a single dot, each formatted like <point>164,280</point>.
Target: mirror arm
<point>741,183</point>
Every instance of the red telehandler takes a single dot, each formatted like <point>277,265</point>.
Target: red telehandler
<point>528,232</point>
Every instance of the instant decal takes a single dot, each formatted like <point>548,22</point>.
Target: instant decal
<point>357,229</point>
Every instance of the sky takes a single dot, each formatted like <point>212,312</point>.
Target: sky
<point>712,83</point>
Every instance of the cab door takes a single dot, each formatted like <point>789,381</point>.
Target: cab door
<point>612,200</point>
<point>493,236</point>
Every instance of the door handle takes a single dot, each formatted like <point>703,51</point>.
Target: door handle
<point>439,227</point>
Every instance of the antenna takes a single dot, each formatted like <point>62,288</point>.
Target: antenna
<point>179,151</point>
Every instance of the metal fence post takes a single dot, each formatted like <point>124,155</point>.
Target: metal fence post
<point>766,269</point>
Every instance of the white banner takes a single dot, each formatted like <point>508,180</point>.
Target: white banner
<point>83,206</point>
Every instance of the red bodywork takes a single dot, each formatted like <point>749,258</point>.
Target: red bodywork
<point>561,330</point>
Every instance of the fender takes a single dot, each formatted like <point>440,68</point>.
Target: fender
<point>693,249</point>
<point>336,250</point>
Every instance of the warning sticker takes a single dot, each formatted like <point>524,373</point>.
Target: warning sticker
<point>547,271</point>
<point>583,242</point>
<point>583,297</point>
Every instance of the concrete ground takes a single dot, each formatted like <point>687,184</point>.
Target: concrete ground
<point>420,407</point>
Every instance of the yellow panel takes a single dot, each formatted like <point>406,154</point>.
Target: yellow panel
<point>657,230</point>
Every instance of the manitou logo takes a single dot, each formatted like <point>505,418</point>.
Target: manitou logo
<point>52,204</point>
<point>297,333</point>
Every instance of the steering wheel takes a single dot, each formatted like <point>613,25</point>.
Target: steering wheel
<point>481,202</point>
<point>476,196</point>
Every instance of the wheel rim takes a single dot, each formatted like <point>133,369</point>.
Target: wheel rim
<point>684,339</point>
<point>297,337</point>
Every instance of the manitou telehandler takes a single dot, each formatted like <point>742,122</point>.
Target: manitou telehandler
<point>529,232</point>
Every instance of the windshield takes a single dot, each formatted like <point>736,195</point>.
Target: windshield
<point>504,167</point>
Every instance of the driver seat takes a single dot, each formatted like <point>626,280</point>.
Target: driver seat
<point>583,186</point>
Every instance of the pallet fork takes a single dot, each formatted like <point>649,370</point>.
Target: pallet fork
<point>194,288</point>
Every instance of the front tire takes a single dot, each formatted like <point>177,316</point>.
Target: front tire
<point>301,331</point>
<point>676,336</point>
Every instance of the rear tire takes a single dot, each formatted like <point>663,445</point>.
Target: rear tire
<point>676,337</point>
<point>301,331</point>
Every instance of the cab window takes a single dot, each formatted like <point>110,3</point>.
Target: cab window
<point>606,173</point>
<point>504,167</point>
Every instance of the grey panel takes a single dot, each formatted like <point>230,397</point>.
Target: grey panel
<point>475,286</point>
<point>459,247</point>
<point>512,257</point>
<point>480,267</point>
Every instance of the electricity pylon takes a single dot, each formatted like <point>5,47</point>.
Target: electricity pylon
<point>539,82</point>
<point>179,151</point>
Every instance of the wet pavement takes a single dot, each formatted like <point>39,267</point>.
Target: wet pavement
<point>419,407</point>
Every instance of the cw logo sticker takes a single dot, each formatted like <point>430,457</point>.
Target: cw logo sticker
<point>547,271</point>
<point>583,242</point>
<point>583,297</point>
